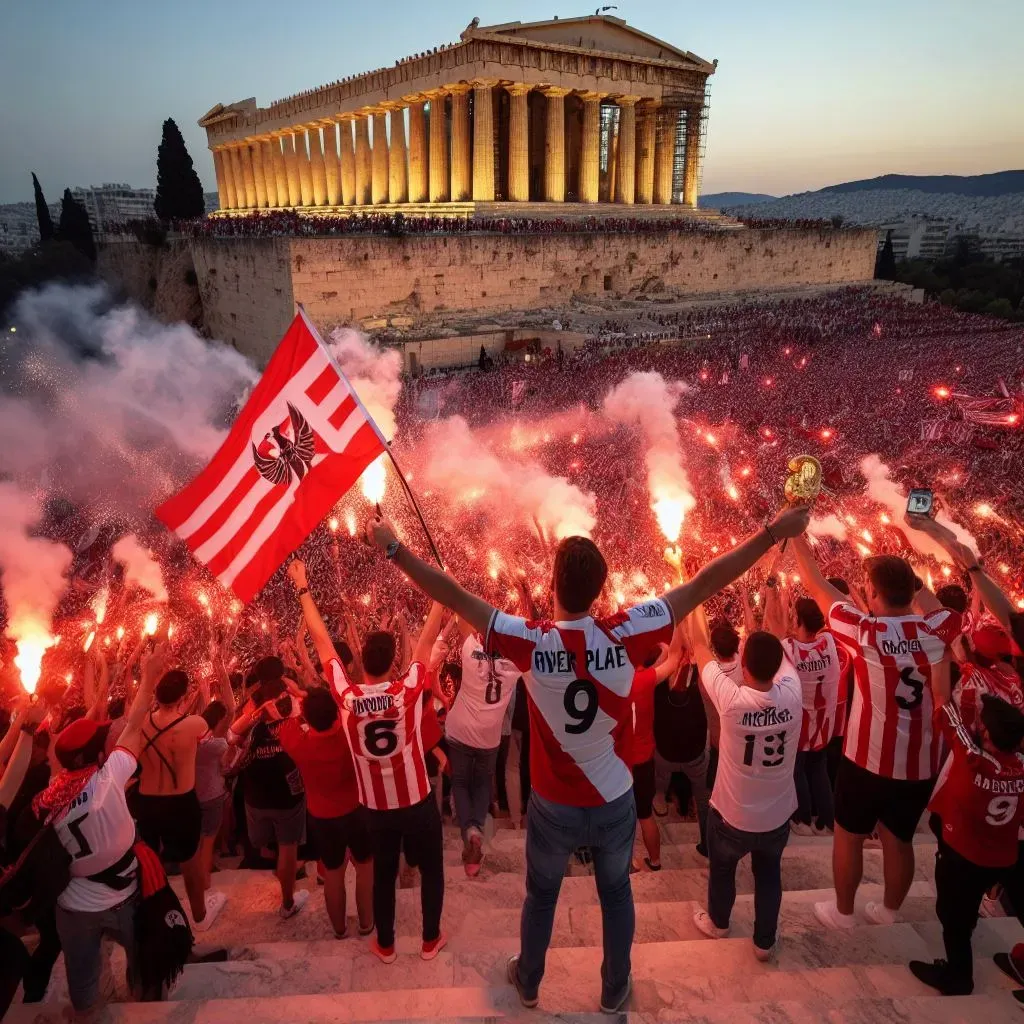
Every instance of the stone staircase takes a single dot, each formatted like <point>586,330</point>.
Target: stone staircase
<point>295,971</point>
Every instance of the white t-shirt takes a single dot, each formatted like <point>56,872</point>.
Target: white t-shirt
<point>488,684</point>
<point>98,831</point>
<point>754,789</point>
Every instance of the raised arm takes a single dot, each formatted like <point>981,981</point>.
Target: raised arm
<point>153,667</point>
<point>425,641</point>
<point>775,609</point>
<point>98,708</point>
<point>729,567</point>
<point>998,603</point>
<point>813,579</point>
<point>314,621</point>
<point>435,584</point>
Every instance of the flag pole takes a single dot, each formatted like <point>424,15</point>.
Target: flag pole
<point>384,441</point>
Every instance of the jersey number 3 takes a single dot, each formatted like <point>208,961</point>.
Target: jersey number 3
<point>916,686</point>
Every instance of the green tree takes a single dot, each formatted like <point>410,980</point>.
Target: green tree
<point>42,212</point>
<point>999,307</point>
<point>57,261</point>
<point>885,265</point>
<point>74,226</point>
<point>179,192</point>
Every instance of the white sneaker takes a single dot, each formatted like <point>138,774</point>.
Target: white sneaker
<point>879,913</point>
<point>299,899</point>
<point>660,805</point>
<point>214,904</point>
<point>764,955</point>
<point>991,908</point>
<point>799,828</point>
<point>828,914</point>
<point>708,927</point>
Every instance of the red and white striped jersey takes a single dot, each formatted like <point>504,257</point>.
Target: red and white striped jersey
<point>578,678</point>
<point>889,731</point>
<point>383,722</point>
<point>820,664</point>
<point>1000,680</point>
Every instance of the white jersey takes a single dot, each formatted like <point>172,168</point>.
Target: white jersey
<point>754,789</point>
<point>97,830</point>
<point>488,684</point>
<point>819,664</point>
<point>578,677</point>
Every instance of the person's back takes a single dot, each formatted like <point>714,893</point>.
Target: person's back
<point>170,744</point>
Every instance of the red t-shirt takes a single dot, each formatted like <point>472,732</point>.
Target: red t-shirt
<point>643,714</point>
<point>978,796</point>
<point>324,760</point>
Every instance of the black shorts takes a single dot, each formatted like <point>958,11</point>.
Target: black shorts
<point>644,787</point>
<point>333,837</point>
<point>864,800</point>
<point>171,825</point>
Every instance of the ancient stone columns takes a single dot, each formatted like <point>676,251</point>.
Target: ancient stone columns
<point>483,142</point>
<point>292,169</point>
<point>518,144</point>
<point>398,181</point>
<point>419,189</point>
<point>691,165</point>
<point>222,158</point>
<point>347,158</point>
<point>625,185</point>
<point>439,183</point>
<point>554,145</point>
<point>646,132</point>
<point>364,183</point>
<point>590,157</point>
<point>332,169</point>
<point>317,167</point>
<point>664,155</point>
<point>269,178</point>
<point>305,171</point>
<point>379,187</point>
<point>461,180</point>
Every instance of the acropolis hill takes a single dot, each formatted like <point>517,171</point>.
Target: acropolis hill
<point>585,122</point>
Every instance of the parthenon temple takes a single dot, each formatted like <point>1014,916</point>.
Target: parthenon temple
<point>576,111</point>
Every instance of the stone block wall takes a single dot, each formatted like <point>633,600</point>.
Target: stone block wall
<point>341,280</point>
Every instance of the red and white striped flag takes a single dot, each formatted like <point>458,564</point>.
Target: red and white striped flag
<point>301,441</point>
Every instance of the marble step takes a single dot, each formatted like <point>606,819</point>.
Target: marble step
<point>489,1006</point>
<point>820,967</point>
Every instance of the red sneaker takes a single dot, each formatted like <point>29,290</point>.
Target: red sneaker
<point>385,954</point>
<point>431,949</point>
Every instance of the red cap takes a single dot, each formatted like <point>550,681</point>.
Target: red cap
<point>992,642</point>
<point>77,735</point>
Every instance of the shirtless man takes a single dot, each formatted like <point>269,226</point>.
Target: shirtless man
<point>166,806</point>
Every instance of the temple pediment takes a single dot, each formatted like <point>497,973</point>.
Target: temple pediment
<point>599,33</point>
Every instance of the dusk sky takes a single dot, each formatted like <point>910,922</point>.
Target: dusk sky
<point>808,92</point>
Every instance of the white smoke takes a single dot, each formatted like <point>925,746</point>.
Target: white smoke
<point>140,567</point>
<point>647,400</point>
<point>827,526</point>
<point>375,374</point>
<point>32,568</point>
<point>457,464</point>
<point>886,491</point>
<point>107,406</point>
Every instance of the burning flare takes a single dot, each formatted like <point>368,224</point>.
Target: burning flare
<point>374,480</point>
<point>33,642</point>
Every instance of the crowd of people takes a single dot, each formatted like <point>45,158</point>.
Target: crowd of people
<point>843,684</point>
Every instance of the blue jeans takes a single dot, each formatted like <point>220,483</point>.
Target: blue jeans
<point>727,846</point>
<point>813,789</point>
<point>553,833</point>
<point>472,779</point>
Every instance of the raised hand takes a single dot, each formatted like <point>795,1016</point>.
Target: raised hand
<point>380,532</point>
<point>791,522</point>
<point>297,573</point>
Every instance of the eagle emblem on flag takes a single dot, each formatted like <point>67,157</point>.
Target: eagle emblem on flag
<point>286,450</point>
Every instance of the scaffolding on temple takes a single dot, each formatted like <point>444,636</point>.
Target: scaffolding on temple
<point>679,160</point>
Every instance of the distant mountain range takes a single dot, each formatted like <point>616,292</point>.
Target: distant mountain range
<point>1001,183</point>
<point>719,200</point>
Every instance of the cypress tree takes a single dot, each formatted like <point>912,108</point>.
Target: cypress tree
<point>74,226</point>
<point>179,192</point>
<point>885,266</point>
<point>42,212</point>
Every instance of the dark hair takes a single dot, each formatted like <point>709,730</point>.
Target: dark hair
<point>268,669</point>
<point>320,709</point>
<point>172,687</point>
<point>892,577</point>
<point>952,595</point>
<point>378,653</point>
<point>86,755</point>
<point>343,650</point>
<point>115,709</point>
<point>762,655</point>
<point>840,584</point>
<point>1004,722</point>
<point>269,690</point>
<point>725,641</point>
<point>808,614</point>
<point>73,715</point>
<point>214,713</point>
<point>580,572</point>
